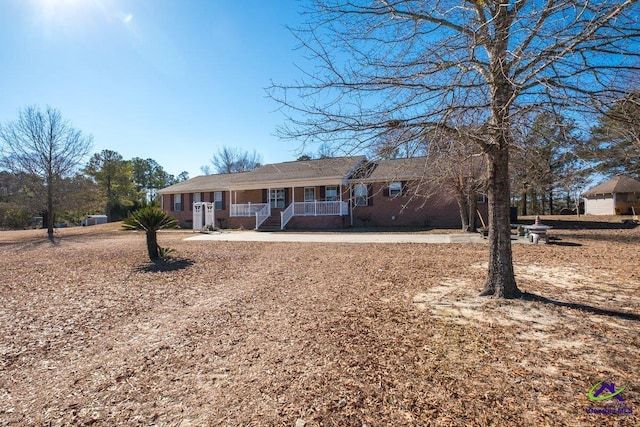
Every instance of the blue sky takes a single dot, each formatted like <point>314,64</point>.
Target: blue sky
<point>172,80</point>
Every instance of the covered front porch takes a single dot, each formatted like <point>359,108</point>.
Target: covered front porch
<point>289,202</point>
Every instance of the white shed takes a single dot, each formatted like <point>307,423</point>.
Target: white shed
<point>614,197</point>
<point>94,219</point>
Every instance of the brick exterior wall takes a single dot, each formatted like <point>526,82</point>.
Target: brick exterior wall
<point>185,215</point>
<point>382,210</point>
<point>318,222</point>
<point>385,210</point>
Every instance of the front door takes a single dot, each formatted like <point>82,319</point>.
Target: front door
<point>309,194</point>
<point>276,198</point>
<point>309,198</point>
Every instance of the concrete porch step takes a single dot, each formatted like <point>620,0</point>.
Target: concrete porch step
<point>271,224</point>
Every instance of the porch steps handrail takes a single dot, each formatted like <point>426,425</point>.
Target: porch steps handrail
<point>262,215</point>
<point>286,215</point>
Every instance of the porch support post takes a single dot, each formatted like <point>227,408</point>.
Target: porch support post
<point>350,206</point>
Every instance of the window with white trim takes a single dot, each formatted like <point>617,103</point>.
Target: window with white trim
<point>217,200</point>
<point>395,189</point>
<point>177,202</point>
<point>197,197</point>
<point>331,194</point>
<point>309,194</point>
<point>360,194</point>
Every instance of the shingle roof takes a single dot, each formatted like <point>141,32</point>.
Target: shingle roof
<point>203,183</point>
<point>335,168</point>
<point>618,184</point>
<point>394,170</point>
<point>329,168</point>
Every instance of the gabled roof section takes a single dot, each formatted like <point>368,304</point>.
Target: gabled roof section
<point>203,183</point>
<point>390,170</point>
<point>618,184</point>
<point>332,170</point>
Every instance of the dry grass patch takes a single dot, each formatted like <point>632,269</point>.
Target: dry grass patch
<point>308,334</point>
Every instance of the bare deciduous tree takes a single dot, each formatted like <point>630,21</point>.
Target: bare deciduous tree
<point>418,63</point>
<point>44,145</point>
<point>231,160</point>
<point>459,165</point>
<point>456,164</point>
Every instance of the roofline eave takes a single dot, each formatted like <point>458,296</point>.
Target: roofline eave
<point>290,183</point>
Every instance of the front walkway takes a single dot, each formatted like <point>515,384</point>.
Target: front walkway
<point>337,237</point>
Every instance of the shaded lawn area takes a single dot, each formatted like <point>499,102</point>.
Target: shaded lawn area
<point>268,334</point>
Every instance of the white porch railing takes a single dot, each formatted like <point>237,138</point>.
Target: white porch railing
<point>312,209</point>
<point>262,215</point>
<point>320,208</point>
<point>262,211</point>
<point>247,209</point>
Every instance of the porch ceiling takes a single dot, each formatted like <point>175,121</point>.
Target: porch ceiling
<point>289,183</point>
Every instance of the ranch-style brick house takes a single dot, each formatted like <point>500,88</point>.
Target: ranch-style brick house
<point>329,193</point>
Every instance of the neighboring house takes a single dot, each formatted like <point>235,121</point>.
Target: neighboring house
<point>94,220</point>
<point>616,196</point>
<point>325,193</point>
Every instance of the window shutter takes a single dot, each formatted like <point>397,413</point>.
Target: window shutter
<point>224,200</point>
<point>370,195</point>
<point>190,201</point>
<point>171,200</point>
<point>212,197</point>
<point>385,190</point>
<point>405,188</point>
<point>323,193</point>
<point>265,195</point>
<point>286,196</point>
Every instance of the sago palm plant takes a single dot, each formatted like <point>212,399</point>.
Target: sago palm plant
<point>150,219</point>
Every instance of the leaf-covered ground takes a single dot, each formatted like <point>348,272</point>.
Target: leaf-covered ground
<point>304,334</point>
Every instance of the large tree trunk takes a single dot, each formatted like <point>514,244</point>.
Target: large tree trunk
<point>473,207</point>
<point>50,216</point>
<point>501,280</point>
<point>463,209</point>
<point>152,245</point>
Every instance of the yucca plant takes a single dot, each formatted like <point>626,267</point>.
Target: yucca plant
<point>150,219</point>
